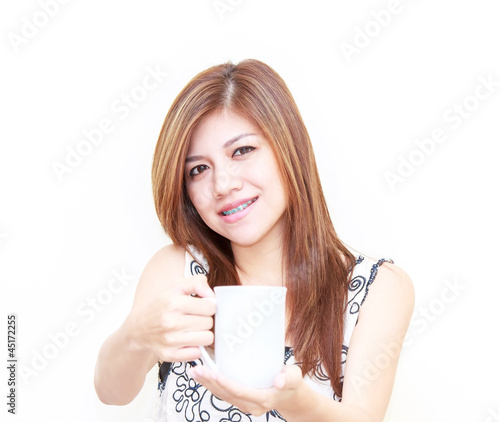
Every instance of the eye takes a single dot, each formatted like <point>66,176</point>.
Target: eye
<point>197,170</point>
<point>243,151</point>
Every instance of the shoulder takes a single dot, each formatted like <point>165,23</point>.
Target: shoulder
<point>165,266</point>
<point>170,257</point>
<point>392,294</point>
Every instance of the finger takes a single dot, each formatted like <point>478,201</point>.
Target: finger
<point>289,378</point>
<point>194,323</point>
<point>196,306</point>
<point>184,354</point>
<point>200,372</point>
<point>198,285</point>
<point>190,338</point>
<point>186,323</point>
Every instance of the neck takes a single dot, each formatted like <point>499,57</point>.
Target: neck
<point>260,264</point>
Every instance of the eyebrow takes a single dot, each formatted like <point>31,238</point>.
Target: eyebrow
<point>226,145</point>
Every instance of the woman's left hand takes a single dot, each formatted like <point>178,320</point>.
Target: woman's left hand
<point>256,401</point>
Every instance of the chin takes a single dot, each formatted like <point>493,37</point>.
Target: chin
<point>243,238</point>
<point>243,241</point>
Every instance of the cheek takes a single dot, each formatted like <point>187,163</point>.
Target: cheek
<point>276,183</point>
<point>272,175</point>
<point>200,197</point>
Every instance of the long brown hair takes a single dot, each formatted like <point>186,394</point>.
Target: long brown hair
<point>317,265</point>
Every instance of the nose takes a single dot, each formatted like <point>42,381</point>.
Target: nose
<point>226,180</point>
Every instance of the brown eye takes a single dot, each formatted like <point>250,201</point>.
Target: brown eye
<point>197,170</point>
<point>243,151</point>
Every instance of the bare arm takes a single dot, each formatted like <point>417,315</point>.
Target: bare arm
<point>373,355</point>
<point>164,324</point>
<point>120,370</point>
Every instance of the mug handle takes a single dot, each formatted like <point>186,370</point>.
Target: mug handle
<point>204,354</point>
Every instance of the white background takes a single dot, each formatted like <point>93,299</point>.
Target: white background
<point>62,238</point>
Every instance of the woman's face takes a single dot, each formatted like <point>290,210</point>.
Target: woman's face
<point>233,181</point>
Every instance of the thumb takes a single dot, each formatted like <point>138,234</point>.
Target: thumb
<point>198,285</point>
<point>289,378</point>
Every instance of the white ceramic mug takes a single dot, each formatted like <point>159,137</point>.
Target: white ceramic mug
<point>249,334</point>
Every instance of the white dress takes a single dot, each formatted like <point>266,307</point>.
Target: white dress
<point>181,399</point>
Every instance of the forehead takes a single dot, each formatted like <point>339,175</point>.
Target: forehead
<point>218,128</point>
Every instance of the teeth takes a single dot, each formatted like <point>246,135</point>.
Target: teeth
<point>240,208</point>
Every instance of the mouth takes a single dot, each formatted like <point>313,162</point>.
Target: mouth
<point>239,208</point>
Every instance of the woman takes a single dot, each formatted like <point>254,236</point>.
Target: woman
<point>237,190</point>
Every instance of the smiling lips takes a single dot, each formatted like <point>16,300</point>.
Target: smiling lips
<point>239,208</point>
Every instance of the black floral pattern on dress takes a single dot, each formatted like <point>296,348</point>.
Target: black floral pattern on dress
<point>373,273</point>
<point>196,268</point>
<point>197,404</point>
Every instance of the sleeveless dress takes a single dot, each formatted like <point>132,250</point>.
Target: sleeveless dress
<point>181,399</point>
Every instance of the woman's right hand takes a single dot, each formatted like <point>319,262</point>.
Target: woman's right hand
<point>171,323</point>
